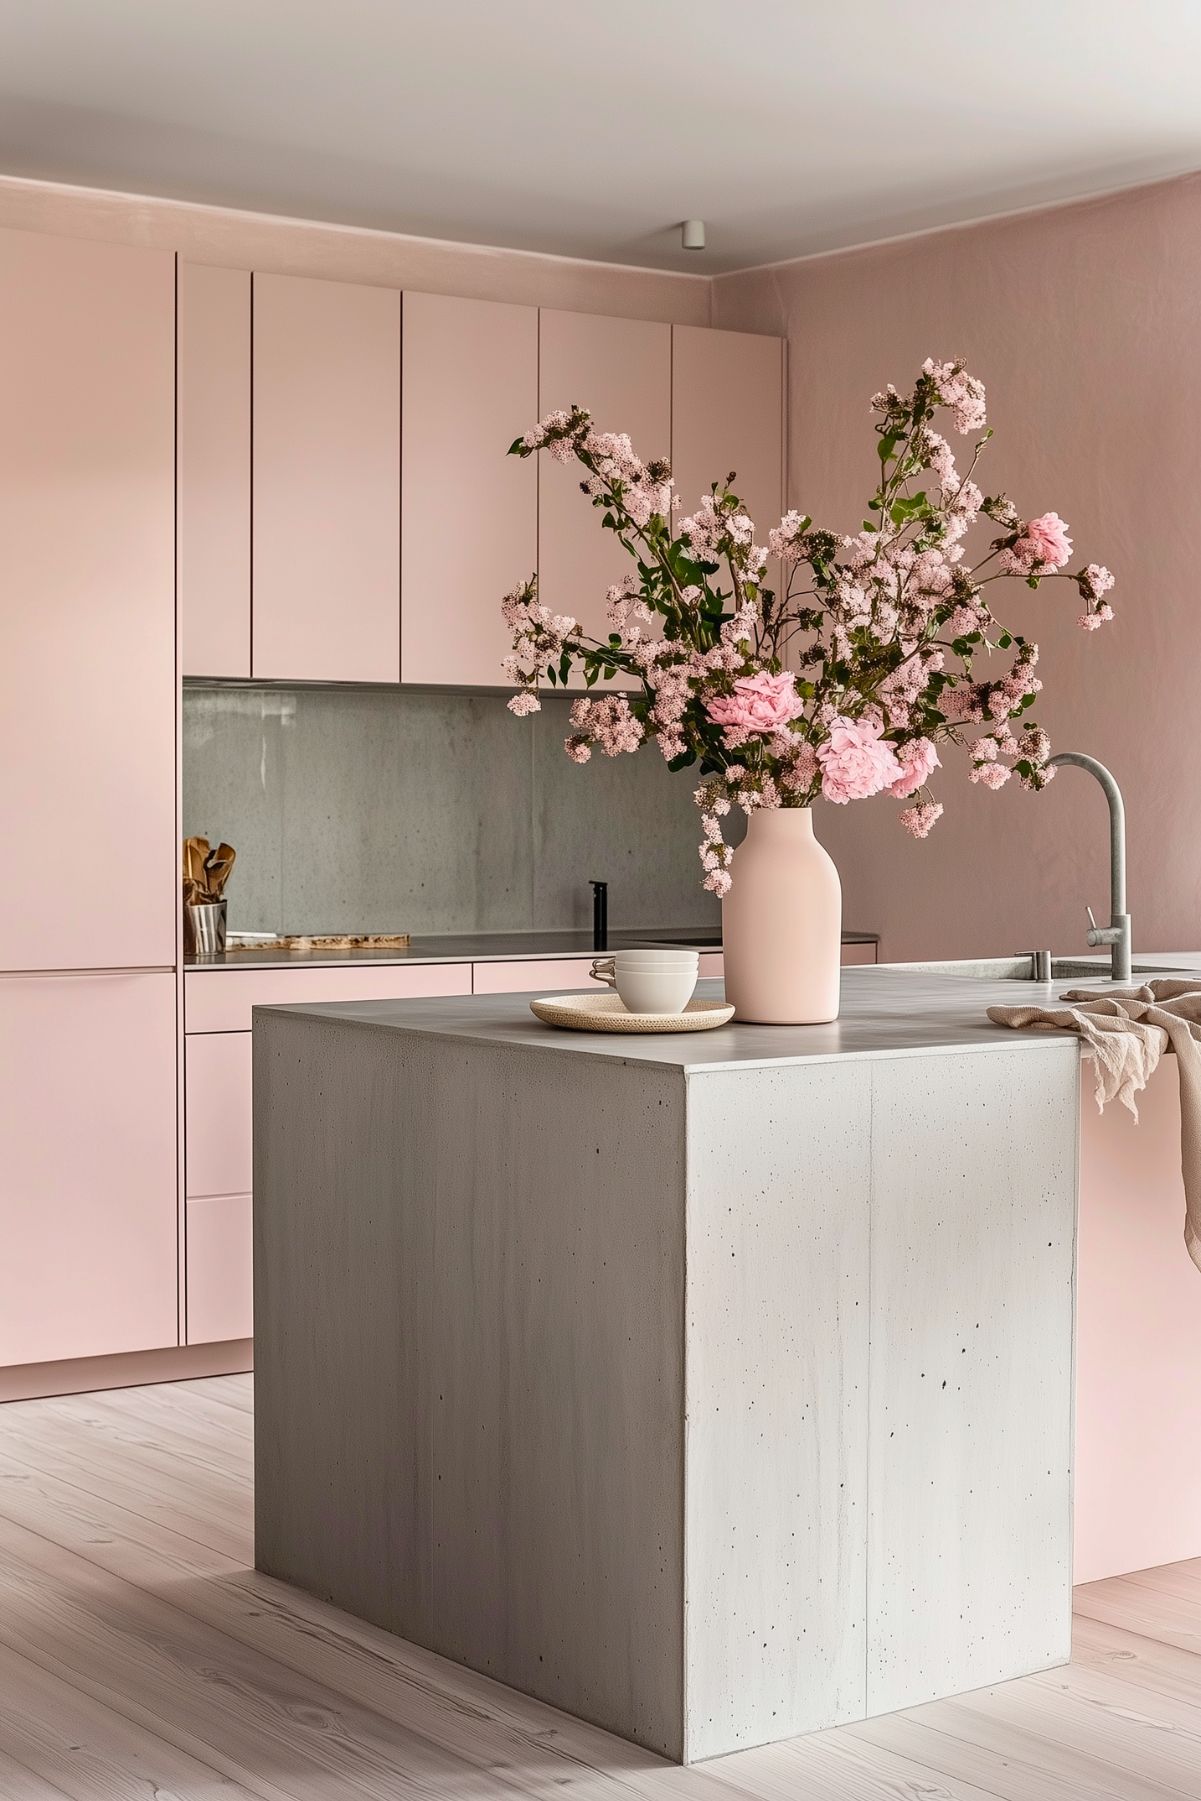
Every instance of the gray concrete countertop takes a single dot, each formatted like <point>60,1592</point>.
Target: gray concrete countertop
<point>887,1011</point>
<point>480,947</point>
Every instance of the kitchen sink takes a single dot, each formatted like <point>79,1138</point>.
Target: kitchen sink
<point>1068,969</point>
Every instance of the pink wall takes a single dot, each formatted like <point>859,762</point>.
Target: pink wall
<point>1083,323</point>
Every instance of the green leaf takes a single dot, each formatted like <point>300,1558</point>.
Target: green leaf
<point>1004,641</point>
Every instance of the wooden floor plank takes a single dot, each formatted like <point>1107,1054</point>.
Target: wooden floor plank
<point>201,1506</point>
<point>1140,1662</point>
<point>178,1409</point>
<point>832,1766</point>
<point>88,1751</point>
<point>19,1783</point>
<point>143,1659</point>
<point>1134,1607</point>
<point>1053,1732</point>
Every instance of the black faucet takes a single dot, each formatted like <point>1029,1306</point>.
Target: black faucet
<point>600,916</point>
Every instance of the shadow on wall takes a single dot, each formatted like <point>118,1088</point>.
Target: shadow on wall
<point>374,810</point>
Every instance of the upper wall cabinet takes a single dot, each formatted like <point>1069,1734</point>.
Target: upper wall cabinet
<point>620,369</point>
<point>214,470</point>
<point>87,596</point>
<point>469,512</point>
<point>326,460</point>
<point>728,414</point>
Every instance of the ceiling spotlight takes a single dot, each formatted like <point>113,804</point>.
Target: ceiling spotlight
<point>692,234</point>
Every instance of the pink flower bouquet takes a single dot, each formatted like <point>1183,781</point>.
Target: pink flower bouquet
<point>845,683</point>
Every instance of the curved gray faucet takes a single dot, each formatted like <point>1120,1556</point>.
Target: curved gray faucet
<point>1117,933</point>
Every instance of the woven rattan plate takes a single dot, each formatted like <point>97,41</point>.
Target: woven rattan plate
<point>605,1013</point>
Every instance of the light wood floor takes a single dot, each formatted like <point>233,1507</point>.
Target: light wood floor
<point>141,1659</point>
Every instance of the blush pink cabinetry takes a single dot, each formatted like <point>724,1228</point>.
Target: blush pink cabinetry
<point>87,1121</point>
<point>214,470</point>
<point>469,512</point>
<point>728,414</point>
<point>218,1115</point>
<point>620,369</point>
<point>1138,1401</point>
<point>326,460</point>
<point>87,575</point>
<point>549,976</point>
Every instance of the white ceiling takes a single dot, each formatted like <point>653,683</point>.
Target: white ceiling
<point>591,129</point>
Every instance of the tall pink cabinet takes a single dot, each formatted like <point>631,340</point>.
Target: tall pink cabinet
<point>88,1206</point>
<point>235,474</point>
<point>326,484</point>
<point>621,370</point>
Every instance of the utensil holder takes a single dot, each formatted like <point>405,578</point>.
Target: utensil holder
<point>204,928</point>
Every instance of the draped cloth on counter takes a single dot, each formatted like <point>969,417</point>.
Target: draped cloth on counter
<point>1128,1030</point>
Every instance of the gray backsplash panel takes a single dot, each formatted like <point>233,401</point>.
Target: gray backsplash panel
<point>389,810</point>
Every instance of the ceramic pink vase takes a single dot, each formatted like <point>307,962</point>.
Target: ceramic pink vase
<point>782,923</point>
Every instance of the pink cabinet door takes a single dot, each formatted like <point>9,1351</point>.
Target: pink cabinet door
<point>87,595</point>
<point>88,1202</point>
<point>469,513</point>
<point>217,1114</point>
<point>620,369</point>
<point>552,975</point>
<point>326,460</point>
<point>728,414</point>
<point>223,1000</point>
<point>219,1284</point>
<point>214,470</point>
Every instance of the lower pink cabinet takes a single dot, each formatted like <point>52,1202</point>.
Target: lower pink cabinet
<point>89,1213</point>
<point>218,1116</point>
<point>217,1180</point>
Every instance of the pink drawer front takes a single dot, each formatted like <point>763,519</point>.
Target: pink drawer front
<point>218,1285</point>
<point>549,976</point>
<point>217,1113</point>
<point>858,953</point>
<point>220,1000</point>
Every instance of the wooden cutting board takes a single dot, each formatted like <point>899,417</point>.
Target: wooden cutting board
<point>335,941</point>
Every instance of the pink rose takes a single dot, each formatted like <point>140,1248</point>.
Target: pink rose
<point>759,706</point>
<point>1044,543</point>
<point>856,762</point>
<point>918,759</point>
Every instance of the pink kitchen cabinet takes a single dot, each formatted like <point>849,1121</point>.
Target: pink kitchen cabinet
<point>728,414</point>
<point>218,1117</point>
<point>214,470</point>
<point>217,1114</point>
<point>326,481</point>
<point>221,1000</point>
<point>87,575</point>
<point>620,369</point>
<point>550,975</point>
<point>469,513</point>
<point>88,1204</point>
<point>220,1269</point>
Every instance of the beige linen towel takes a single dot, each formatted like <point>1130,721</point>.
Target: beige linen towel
<point>1128,1030</point>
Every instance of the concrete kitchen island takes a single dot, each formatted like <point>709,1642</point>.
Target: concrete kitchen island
<point>715,1388</point>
